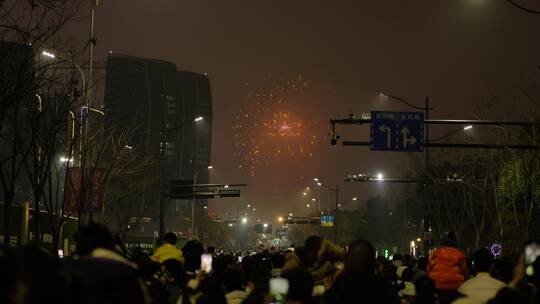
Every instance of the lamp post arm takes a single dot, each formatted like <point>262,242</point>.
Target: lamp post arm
<point>83,78</point>
<point>407,103</point>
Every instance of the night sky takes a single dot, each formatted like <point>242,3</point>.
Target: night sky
<point>457,52</point>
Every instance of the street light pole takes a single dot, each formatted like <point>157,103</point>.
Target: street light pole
<point>426,113</point>
<point>336,190</point>
<point>86,99</point>
<point>336,215</point>
<point>163,145</point>
<point>426,110</point>
<point>193,199</point>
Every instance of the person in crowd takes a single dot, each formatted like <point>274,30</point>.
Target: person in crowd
<point>524,288</point>
<point>175,278</point>
<point>30,275</point>
<point>408,292</point>
<point>211,250</point>
<point>278,262</point>
<point>211,291</point>
<point>318,257</point>
<point>448,268</point>
<point>101,274</point>
<point>300,286</point>
<point>168,250</point>
<point>503,268</point>
<point>234,282</point>
<point>294,258</point>
<point>421,267</point>
<point>381,262</point>
<point>358,282</point>
<point>389,274</point>
<point>482,287</point>
<point>192,251</point>
<point>397,260</point>
<point>258,288</point>
<point>409,260</point>
<point>425,291</point>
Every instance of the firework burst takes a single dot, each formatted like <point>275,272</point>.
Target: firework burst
<point>274,127</point>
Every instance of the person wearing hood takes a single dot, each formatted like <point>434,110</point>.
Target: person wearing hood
<point>448,268</point>
<point>101,273</point>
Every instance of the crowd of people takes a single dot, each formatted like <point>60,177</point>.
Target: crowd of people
<point>319,271</point>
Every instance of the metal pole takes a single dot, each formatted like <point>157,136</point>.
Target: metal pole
<point>426,110</point>
<point>161,192</point>
<point>91,52</point>
<point>193,204</point>
<point>86,119</point>
<point>336,215</point>
<point>428,207</point>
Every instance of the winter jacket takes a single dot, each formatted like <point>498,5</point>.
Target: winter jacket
<point>105,277</point>
<point>291,261</point>
<point>168,251</point>
<point>481,288</point>
<point>236,296</point>
<point>447,267</point>
<point>360,288</point>
<point>328,254</point>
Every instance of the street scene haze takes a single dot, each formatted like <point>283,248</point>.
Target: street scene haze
<point>207,151</point>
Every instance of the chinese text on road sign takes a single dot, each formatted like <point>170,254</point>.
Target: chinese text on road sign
<point>397,131</point>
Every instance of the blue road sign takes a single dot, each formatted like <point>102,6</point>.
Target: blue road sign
<point>397,131</point>
<point>327,221</point>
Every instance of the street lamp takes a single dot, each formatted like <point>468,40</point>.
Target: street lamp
<point>163,145</point>
<point>351,200</point>
<point>84,88</point>
<point>465,128</point>
<point>280,219</point>
<point>244,220</point>
<point>426,110</point>
<point>200,118</point>
<point>316,179</point>
<point>77,66</point>
<point>66,159</point>
<point>380,176</point>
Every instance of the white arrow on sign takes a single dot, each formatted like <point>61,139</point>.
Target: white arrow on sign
<point>387,130</point>
<point>406,138</point>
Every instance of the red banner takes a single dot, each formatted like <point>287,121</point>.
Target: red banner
<point>94,191</point>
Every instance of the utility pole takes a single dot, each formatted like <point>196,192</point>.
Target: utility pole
<point>161,190</point>
<point>86,200</point>
<point>336,214</point>
<point>428,206</point>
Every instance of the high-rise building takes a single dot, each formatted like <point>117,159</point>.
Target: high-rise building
<point>151,95</point>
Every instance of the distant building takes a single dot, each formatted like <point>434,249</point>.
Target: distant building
<point>150,95</point>
<point>17,91</point>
